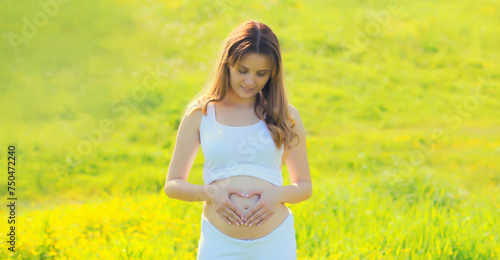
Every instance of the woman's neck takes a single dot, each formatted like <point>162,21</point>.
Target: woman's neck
<point>232,99</point>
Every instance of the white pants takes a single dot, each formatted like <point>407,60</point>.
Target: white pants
<point>280,244</point>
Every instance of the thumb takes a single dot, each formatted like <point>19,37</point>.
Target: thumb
<point>252,192</point>
<point>237,191</point>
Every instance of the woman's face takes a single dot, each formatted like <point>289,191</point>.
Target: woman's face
<point>251,75</point>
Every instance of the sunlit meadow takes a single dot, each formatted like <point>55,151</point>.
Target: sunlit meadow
<point>400,100</point>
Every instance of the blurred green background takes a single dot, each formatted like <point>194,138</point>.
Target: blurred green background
<point>399,100</point>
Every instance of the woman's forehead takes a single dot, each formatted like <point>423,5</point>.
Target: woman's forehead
<point>256,61</point>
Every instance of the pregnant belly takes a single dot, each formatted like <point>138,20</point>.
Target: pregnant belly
<point>244,204</point>
<point>245,183</point>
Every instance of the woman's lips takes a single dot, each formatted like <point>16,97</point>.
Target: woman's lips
<point>247,90</point>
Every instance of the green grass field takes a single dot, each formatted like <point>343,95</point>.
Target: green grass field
<point>400,100</point>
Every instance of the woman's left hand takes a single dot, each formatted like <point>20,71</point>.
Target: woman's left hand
<point>270,198</point>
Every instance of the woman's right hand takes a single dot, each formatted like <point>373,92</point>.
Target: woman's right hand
<point>219,197</point>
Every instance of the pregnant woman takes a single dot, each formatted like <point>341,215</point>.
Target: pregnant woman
<point>247,130</point>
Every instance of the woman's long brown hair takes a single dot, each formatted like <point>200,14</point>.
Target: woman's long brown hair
<point>271,101</point>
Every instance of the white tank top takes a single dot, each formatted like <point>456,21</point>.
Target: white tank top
<point>238,150</point>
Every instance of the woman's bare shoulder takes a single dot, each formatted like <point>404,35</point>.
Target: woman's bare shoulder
<point>294,113</point>
<point>193,116</point>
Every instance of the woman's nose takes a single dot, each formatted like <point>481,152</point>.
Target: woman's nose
<point>249,80</point>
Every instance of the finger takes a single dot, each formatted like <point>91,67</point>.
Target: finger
<point>262,221</point>
<point>254,217</point>
<point>226,215</point>
<point>223,210</point>
<point>236,191</point>
<point>236,212</point>
<point>250,193</point>
<point>258,219</point>
<point>232,216</point>
<point>251,212</point>
<point>223,216</point>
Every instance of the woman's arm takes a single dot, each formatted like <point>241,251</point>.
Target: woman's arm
<point>182,190</point>
<point>298,166</point>
<point>300,177</point>
<point>185,151</point>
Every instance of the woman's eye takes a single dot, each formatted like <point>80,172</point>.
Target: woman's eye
<point>260,75</point>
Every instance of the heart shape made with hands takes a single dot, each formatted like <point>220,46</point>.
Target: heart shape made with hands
<point>244,204</point>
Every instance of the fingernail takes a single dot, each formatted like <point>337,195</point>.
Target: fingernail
<point>246,195</point>
<point>250,225</point>
<point>242,194</point>
<point>258,225</point>
<point>237,224</point>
